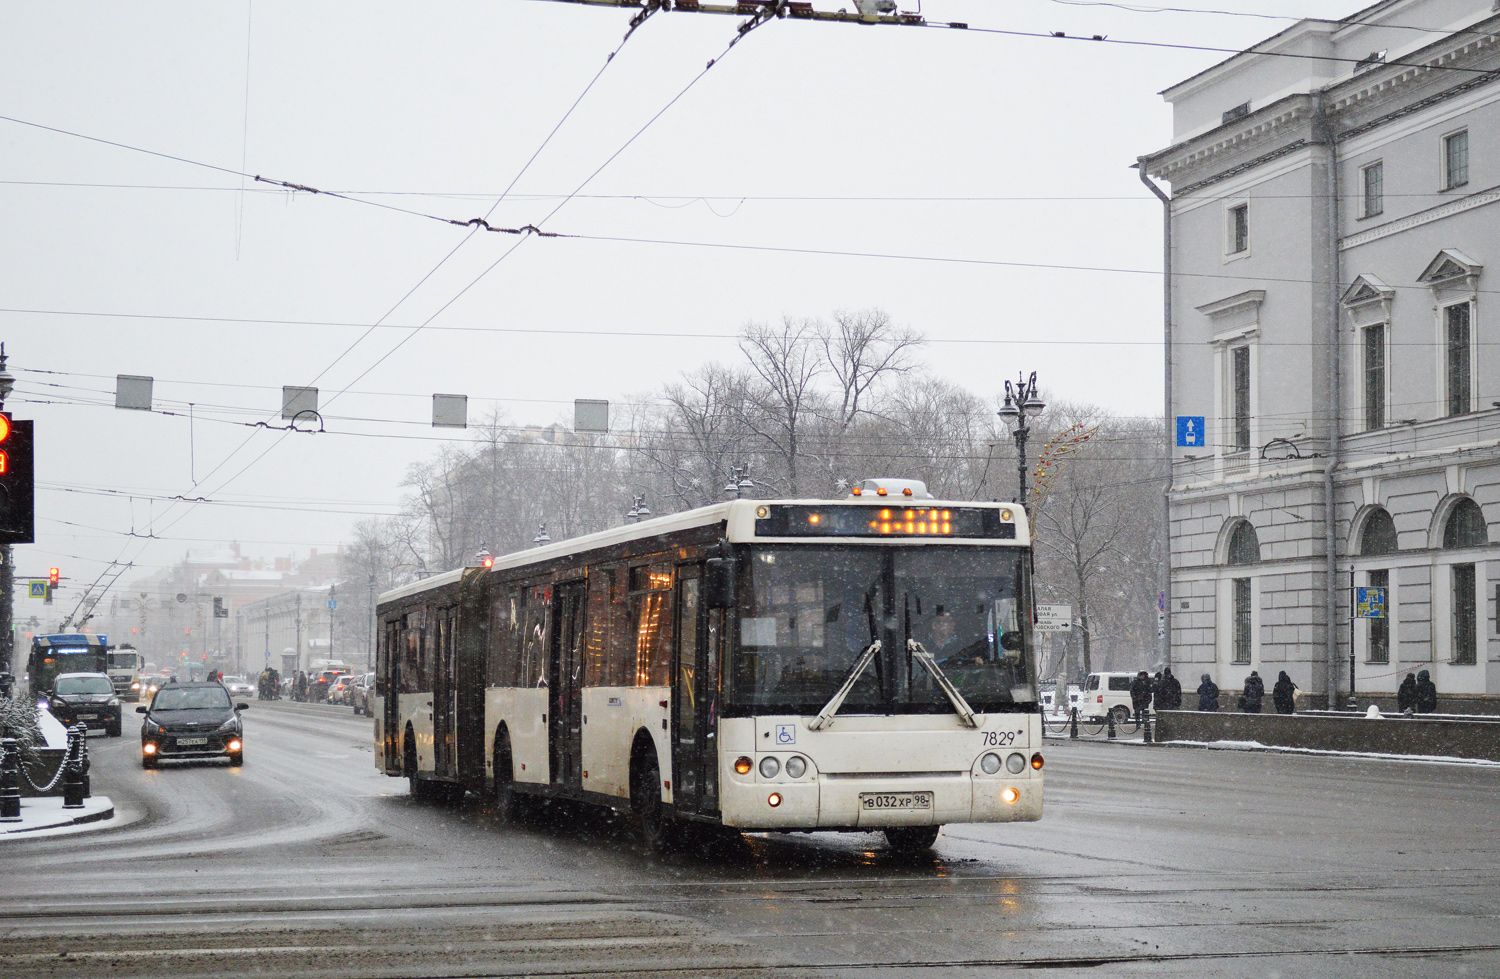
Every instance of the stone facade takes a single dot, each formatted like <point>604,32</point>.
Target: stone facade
<point>1331,216</point>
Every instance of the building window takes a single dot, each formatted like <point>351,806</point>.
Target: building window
<point>1455,159</point>
<point>1460,377</point>
<point>1464,606</point>
<point>1466,526</point>
<point>1372,189</point>
<point>1244,545</point>
<point>1241,620</point>
<point>1379,649</point>
<point>1237,230</point>
<point>1374,377</point>
<point>1379,535</point>
<point>1239,382</point>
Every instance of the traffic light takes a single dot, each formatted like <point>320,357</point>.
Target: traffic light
<point>52,576</point>
<point>17,490</point>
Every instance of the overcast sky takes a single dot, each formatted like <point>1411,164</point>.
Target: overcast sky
<point>823,137</point>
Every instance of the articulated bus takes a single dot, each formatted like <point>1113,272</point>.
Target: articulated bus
<point>855,665</point>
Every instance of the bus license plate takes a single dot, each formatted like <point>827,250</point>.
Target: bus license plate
<point>895,800</point>
<point>88,717</point>
<point>191,741</point>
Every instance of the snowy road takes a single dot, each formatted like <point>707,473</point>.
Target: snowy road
<point>1151,860</point>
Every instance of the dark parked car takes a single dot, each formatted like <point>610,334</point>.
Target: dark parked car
<point>192,720</point>
<point>86,697</point>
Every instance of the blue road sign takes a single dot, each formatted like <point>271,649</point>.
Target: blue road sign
<point>1369,603</point>
<point>1190,432</point>
<point>38,589</point>
<point>333,603</point>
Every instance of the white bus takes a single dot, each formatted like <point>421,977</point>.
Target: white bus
<point>857,665</point>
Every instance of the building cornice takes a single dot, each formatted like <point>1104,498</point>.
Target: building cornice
<point>1444,210</point>
<point>1341,98</point>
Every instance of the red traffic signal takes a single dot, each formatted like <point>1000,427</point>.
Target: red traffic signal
<point>52,575</point>
<point>17,494</point>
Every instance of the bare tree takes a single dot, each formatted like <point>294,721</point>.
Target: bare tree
<point>786,364</point>
<point>863,349</point>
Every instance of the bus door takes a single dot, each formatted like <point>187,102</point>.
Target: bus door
<point>565,681</point>
<point>392,682</point>
<point>695,699</point>
<point>444,692</point>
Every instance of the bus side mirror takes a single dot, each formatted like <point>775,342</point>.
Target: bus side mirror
<point>719,582</point>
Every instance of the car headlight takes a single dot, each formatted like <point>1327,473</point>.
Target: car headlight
<point>233,724</point>
<point>150,727</point>
<point>113,703</point>
<point>42,703</point>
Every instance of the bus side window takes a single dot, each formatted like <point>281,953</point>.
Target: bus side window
<point>532,662</point>
<point>601,584</point>
<point>498,665</point>
<point>651,621</point>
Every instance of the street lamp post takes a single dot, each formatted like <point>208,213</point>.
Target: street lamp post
<point>1021,405</point>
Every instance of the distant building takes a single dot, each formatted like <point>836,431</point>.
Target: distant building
<point>1335,199</point>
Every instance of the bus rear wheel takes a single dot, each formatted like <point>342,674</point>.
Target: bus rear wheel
<point>657,830</point>
<point>911,839</point>
<point>507,800</point>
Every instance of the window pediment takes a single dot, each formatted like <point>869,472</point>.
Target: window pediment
<point>1235,317</point>
<point>1450,266</point>
<point>1366,289</point>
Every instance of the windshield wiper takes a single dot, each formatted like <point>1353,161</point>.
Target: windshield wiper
<point>960,705</point>
<point>825,716</point>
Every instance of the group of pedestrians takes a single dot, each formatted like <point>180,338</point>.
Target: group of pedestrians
<point>1160,692</point>
<point>1417,694</point>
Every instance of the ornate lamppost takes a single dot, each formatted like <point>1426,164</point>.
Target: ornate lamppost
<point>1022,404</point>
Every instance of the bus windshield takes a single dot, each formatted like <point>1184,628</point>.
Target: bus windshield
<point>807,612</point>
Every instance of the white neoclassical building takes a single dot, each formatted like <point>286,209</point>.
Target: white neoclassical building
<point>1334,200</point>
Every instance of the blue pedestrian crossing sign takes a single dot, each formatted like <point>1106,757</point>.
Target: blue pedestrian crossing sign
<point>1369,603</point>
<point>1190,432</point>
<point>37,589</point>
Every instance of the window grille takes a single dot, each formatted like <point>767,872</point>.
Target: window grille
<point>1374,377</point>
<point>1464,646</point>
<point>1379,650</point>
<point>1459,375</point>
<point>1241,620</point>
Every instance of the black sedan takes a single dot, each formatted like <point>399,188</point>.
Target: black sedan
<point>192,720</point>
<point>86,697</point>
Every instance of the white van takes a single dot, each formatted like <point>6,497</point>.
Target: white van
<point>1106,693</point>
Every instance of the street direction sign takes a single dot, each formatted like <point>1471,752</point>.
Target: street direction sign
<point>1190,432</point>
<point>1054,618</point>
<point>1369,603</point>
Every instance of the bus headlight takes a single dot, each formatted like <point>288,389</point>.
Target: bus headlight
<point>769,766</point>
<point>774,799</point>
<point>990,763</point>
<point>1016,763</point>
<point>796,767</point>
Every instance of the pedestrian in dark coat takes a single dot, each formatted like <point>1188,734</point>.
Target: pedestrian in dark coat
<point>1255,693</point>
<point>1140,694</point>
<point>1208,694</point>
<point>1406,694</point>
<point>1168,691</point>
<point>1284,694</point>
<point>1426,693</point>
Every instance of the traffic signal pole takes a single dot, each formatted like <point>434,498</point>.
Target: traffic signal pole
<point>7,565</point>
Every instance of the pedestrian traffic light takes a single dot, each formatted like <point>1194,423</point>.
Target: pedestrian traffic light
<point>52,576</point>
<point>17,491</point>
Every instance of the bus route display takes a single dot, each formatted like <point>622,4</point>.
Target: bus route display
<point>896,521</point>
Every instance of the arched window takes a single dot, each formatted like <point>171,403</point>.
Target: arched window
<point>1244,546</point>
<point>1466,526</point>
<point>1379,535</point>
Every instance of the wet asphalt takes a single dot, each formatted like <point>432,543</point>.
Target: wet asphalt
<point>1162,861</point>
